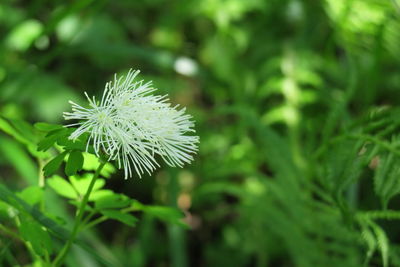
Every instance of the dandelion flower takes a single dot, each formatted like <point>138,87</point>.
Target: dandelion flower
<point>133,126</point>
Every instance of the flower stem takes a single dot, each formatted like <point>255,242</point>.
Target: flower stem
<point>58,260</point>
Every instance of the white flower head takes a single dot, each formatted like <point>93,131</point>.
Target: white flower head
<point>132,126</point>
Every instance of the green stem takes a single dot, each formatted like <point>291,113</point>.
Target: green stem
<point>58,260</point>
<point>41,183</point>
<point>95,222</point>
<point>87,224</point>
<point>86,220</point>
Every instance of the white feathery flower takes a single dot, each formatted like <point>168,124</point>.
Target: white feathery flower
<point>132,126</point>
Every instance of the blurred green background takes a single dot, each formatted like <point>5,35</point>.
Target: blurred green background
<point>269,83</point>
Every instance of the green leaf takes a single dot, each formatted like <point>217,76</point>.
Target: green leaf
<point>53,165</point>
<point>7,128</point>
<point>382,214</point>
<point>344,167</point>
<point>25,129</point>
<point>23,133</point>
<point>32,195</point>
<point>96,195</point>
<point>81,183</point>
<point>11,199</point>
<point>386,178</point>
<point>32,232</point>
<point>119,216</point>
<point>46,143</point>
<point>370,241</point>
<point>47,127</point>
<point>62,187</point>
<point>51,138</point>
<point>113,201</point>
<point>382,242</point>
<point>168,214</point>
<point>78,144</point>
<point>91,163</point>
<point>74,163</point>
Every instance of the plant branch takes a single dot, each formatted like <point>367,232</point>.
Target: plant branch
<point>58,260</point>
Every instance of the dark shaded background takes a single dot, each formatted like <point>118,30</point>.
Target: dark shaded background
<point>269,84</point>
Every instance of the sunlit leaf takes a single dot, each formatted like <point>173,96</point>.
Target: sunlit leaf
<point>99,194</point>
<point>112,202</point>
<point>32,194</point>
<point>62,187</point>
<point>91,163</point>
<point>81,183</point>
<point>386,178</point>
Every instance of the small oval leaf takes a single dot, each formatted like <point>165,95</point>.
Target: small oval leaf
<point>53,165</point>
<point>74,163</point>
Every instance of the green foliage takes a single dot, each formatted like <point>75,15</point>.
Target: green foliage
<point>119,216</point>
<point>51,138</point>
<point>33,233</point>
<point>167,214</point>
<point>386,179</point>
<point>31,195</point>
<point>62,187</point>
<point>112,201</point>
<point>74,163</point>
<point>47,127</point>
<point>54,164</point>
<point>295,102</point>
